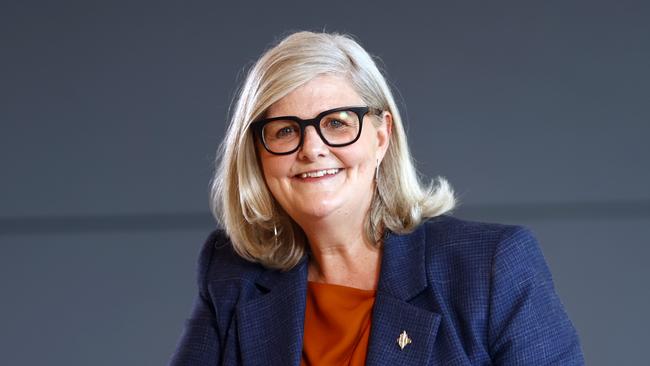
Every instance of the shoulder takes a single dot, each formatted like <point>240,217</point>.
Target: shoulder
<point>220,265</point>
<point>469,253</point>
<point>458,231</point>
<point>453,236</point>
<point>496,276</point>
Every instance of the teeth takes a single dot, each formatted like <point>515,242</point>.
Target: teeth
<point>319,173</point>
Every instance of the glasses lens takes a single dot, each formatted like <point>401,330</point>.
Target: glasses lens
<point>281,136</point>
<point>340,127</point>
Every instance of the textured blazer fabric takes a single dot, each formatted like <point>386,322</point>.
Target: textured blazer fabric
<point>466,293</point>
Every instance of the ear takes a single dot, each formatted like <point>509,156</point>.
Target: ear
<point>384,131</point>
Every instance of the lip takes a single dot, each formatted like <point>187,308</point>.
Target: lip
<point>298,176</point>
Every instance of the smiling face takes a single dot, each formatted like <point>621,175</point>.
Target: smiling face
<point>319,181</point>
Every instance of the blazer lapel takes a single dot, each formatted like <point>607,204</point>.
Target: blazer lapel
<point>402,277</point>
<point>271,326</point>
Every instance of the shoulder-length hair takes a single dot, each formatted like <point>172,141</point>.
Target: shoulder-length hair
<point>260,230</point>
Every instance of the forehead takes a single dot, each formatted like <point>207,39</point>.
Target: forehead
<point>317,95</point>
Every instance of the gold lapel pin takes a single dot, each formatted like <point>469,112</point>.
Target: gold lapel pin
<point>403,340</point>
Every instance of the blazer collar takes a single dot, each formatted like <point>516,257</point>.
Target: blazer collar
<point>402,277</point>
<point>403,272</point>
<point>270,326</point>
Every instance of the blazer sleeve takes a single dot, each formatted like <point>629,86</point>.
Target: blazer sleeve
<point>199,343</point>
<point>527,322</point>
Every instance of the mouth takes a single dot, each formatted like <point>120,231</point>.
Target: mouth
<point>318,173</point>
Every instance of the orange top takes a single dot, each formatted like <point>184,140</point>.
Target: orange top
<point>337,325</point>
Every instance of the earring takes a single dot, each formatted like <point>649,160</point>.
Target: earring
<point>275,232</point>
<point>377,171</point>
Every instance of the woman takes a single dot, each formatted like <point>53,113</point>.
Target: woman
<point>333,253</point>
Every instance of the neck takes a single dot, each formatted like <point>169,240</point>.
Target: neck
<point>341,254</point>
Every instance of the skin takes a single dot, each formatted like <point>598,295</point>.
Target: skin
<point>331,209</point>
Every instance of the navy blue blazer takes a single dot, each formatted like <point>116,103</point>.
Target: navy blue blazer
<point>466,293</point>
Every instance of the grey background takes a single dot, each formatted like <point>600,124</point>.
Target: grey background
<point>536,111</point>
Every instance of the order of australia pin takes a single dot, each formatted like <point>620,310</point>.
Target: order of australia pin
<point>403,340</point>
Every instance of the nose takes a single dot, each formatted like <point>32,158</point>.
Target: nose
<point>312,145</point>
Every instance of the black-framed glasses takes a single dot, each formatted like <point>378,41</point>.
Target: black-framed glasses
<point>336,127</point>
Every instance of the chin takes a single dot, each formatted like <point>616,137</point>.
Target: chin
<point>320,210</point>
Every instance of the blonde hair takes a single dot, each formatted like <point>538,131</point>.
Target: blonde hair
<point>240,199</point>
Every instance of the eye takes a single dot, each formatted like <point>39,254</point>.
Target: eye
<point>335,124</point>
<point>281,130</point>
<point>285,132</point>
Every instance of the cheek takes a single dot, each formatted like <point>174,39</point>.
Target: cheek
<point>360,162</point>
<point>361,156</point>
<point>275,167</point>
<point>271,165</point>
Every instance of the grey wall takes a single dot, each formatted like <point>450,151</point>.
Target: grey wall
<point>536,111</point>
